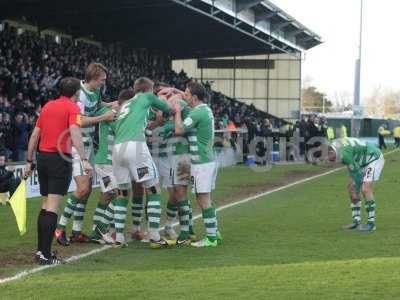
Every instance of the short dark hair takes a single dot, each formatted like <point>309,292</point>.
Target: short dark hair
<point>124,95</point>
<point>69,86</point>
<point>143,85</point>
<point>197,89</point>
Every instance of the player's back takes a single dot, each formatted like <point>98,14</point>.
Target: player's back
<point>132,119</point>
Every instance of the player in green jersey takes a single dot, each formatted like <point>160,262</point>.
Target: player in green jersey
<point>89,102</point>
<point>104,212</point>
<point>179,178</point>
<point>203,171</point>
<point>132,159</point>
<point>364,162</point>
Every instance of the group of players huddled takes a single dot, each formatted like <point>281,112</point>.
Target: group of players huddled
<point>178,127</point>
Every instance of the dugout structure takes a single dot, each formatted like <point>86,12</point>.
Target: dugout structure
<point>259,46</point>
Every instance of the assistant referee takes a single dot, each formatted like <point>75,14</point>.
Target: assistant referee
<point>57,126</point>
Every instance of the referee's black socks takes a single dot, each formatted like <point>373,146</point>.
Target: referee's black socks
<point>49,224</point>
<point>42,213</point>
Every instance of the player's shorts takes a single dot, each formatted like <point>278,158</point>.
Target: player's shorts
<point>54,173</point>
<point>180,174</point>
<point>164,170</point>
<point>132,161</point>
<point>203,177</point>
<point>373,171</point>
<point>106,178</point>
<point>77,168</point>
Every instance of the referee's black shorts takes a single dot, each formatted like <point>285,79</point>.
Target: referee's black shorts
<point>54,172</point>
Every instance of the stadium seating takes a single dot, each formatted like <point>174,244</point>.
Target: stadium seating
<point>31,67</point>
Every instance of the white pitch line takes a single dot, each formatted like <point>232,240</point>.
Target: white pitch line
<point>95,251</point>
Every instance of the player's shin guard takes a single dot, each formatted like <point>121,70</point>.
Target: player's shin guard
<point>184,218</point>
<point>370,207</point>
<point>154,214</point>
<point>68,211</point>
<point>99,215</point>
<point>79,213</point>
<point>137,210</point>
<point>356,212</point>
<point>210,222</point>
<point>120,209</point>
<point>172,210</point>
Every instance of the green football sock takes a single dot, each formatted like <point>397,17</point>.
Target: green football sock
<point>370,207</point>
<point>68,211</point>
<point>172,210</point>
<point>99,215</point>
<point>154,214</point>
<point>184,215</point>
<point>210,222</point>
<point>356,211</point>
<point>120,209</point>
<point>79,213</point>
<point>137,210</point>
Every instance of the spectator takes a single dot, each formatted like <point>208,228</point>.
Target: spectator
<point>21,135</point>
<point>6,136</point>
<point>382,132</point>
<point>396,135</point>
<point>31,67</point>
<point>8,182</point>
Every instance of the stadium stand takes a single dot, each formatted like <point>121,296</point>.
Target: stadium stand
<point>31,67</point>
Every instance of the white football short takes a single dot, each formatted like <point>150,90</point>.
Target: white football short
<point>180,170</point>
<point>373,170</point>
<point>132,161</point>
<point>203,177</point>
<point>106,178</point>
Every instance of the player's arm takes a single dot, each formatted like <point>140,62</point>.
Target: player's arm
<point>170,127</point>
<point>108,116</point>
<point>112,105</point>
<point>74,123</point>
<point>32,146</point>
<point>161,105</point>
<point>187,124</point>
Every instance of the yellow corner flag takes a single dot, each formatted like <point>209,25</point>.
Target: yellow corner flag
<point>18,205</point>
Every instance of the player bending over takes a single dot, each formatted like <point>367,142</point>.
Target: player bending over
<point>365,163</point>
<point>132,159</point>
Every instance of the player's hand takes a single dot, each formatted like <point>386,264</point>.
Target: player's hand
<point>176,106</point>
<point>87,167</point>
<point>109,116</point>
<point>114,105</point>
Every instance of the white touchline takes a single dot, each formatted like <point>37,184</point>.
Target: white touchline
<point>251,198</point>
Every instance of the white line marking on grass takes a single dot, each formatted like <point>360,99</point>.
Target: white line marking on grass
<point>248,199</point>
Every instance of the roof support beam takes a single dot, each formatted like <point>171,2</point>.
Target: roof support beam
<point>278,26</point>
<point>265,16</point>
<point>246,4</point>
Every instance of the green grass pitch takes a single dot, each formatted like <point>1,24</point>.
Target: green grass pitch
<point>287,245</point>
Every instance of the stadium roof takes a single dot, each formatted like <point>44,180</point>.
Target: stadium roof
<point>181,28</point>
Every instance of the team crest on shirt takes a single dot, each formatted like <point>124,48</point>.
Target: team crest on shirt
<point>188,121</point>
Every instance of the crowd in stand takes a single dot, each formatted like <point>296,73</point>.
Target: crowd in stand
<point>32,66</point>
